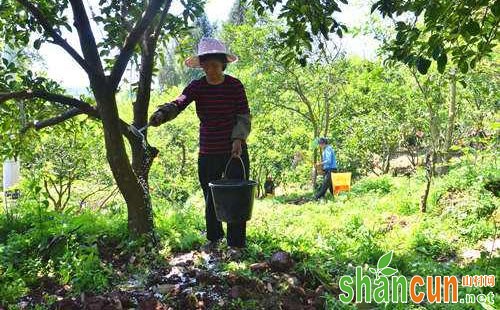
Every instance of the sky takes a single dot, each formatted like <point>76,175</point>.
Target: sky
<point>62,68</point>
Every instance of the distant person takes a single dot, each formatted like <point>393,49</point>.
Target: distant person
<point>329,164</point>
<point>269,186</point>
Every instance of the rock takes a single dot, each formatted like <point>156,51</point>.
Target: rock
<point>258,285</point>
<point>124,298</point>
<point>102,302</point>
<point>299,291</point>
<point>269,287</point>
<point>238,291</point>
<point>23,305</point>
<point>176,275</point>
<point>259,266</point>
<point>131,260</point>
<point>190,301</point>
<point>319,301</point>
<point>292,303</point>
<point>281,261</point>
<point>206,277</point>
<point>165,289</point>
<point>65,304</point>
<point>233,279</point>
<point>291,280</point>
<point>152,304</point>
<point>115,304</point>
<point>200,305</point>
<point>95,303</point>
<point>235,291</point>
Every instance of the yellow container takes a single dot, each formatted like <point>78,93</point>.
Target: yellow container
<point>341,182</point>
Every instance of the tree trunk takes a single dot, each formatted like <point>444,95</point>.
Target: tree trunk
<point>140,217</point>
<point>452,109</point>
<point>183,157</point>
<point>314,176</point>
<point>141,104</point>
<point>429,160</point>
<point>387,162</point>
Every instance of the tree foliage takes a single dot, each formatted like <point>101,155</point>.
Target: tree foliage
<point>447,31</point>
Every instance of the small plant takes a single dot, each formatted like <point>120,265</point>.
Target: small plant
<point>378,185</point>
<point>85,271</point>
<point>12,286</point>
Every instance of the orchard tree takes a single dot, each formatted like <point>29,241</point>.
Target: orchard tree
<point>133,31</point>
<point>457,34</point>
<point>307,91</point>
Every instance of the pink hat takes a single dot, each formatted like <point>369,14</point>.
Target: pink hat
<point>209,46</point>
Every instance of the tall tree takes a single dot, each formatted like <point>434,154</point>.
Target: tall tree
<point>447,31</point>
<point>460,33</point>
<point>237,14</point>
<point>133,30</point>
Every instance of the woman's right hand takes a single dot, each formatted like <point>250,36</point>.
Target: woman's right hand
<point>164,114</point>
<point>156,119</point>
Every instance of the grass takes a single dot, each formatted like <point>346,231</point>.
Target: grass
<point>326,239</point>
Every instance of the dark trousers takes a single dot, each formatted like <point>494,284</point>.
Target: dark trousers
<point>211,168</point>
<point>327,184</point>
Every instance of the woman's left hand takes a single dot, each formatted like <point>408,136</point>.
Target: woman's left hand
<point>236,151</point>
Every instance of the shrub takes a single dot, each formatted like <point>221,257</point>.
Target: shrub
<point>379,185</point>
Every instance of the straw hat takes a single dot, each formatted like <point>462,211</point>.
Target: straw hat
<point>209,46</point>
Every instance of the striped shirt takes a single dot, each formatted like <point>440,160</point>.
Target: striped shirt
<point>216,107</point>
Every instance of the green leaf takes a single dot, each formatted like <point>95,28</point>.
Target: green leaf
<point>384,260</point>
<point>388,271</point>
<point>441,62</point>
<point>473,28</point>
<point>303,61</point>
<point>37,44</point>
<point>339,32</point>
<point>463,66</point>
<point>496,8</point>
<point>423,65</point>
<point>436,52</point>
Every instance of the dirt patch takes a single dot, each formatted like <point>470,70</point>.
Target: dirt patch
<point>391,222</point>
<point>196,280</point>
<point>298,201</point>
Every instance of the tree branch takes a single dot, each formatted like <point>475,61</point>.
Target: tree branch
<point>41,94</point>
<point>86,36</point>
<point>58,40</point>
<point>58,119</point>
<point>68,101</point>
<point>292,109</point>
<point>124,9</point>
<point>131,41</point>
<point>160,24</point>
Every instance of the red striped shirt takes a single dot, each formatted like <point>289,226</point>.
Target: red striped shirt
<point>216,107</point>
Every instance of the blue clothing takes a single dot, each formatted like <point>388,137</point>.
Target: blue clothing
<point>329,160</point>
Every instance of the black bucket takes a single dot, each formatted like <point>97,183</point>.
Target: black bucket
<point>233,199</point>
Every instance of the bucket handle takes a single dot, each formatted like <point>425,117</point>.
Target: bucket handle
<point>242,165</point>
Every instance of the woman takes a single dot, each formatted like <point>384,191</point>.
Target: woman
<point>222,108</point>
